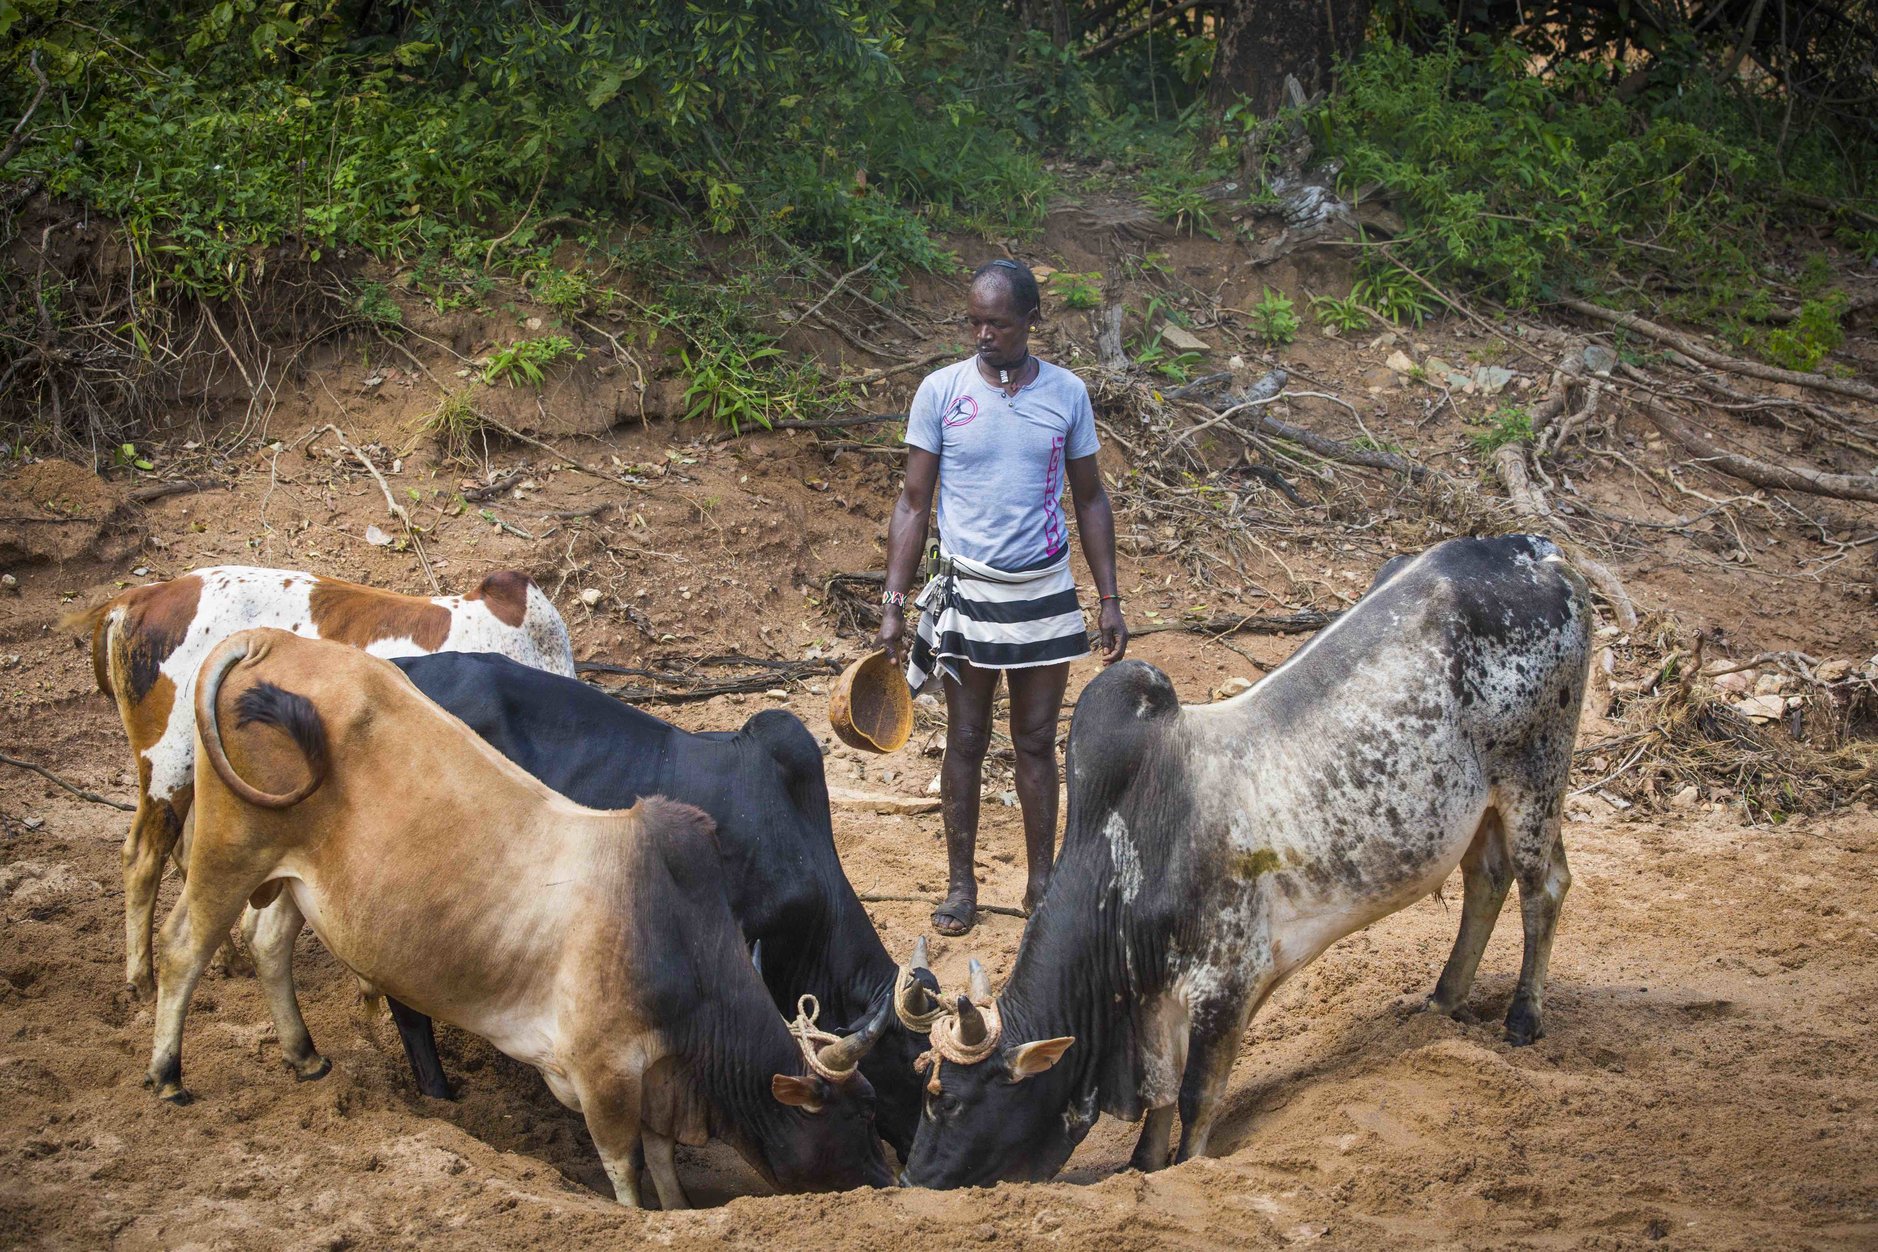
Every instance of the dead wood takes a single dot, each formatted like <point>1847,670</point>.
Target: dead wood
<point>1718,360</point>
<point>1303,622</point>
<point>678,683</point>
<point>1109,339</point>
<point>1760,473</point>
<point>76,790</point>
<point>18,137</point>
<point>157,491</point>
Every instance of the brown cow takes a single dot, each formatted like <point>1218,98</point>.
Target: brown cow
<point>595,945</point>
<point>148,643</point>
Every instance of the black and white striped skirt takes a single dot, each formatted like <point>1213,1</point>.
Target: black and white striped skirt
<point>995,619</point>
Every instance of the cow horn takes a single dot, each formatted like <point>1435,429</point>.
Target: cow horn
<point>980,981</point>
<point>915,1003</point>
<point>971,1023</point>
<point>843,1055</point>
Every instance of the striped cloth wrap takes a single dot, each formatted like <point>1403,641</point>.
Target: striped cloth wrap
<point>995,619</point>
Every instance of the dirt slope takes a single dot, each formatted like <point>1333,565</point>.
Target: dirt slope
<point>1707,1081</point>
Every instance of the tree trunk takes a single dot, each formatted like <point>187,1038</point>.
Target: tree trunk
<point>1261,41</point>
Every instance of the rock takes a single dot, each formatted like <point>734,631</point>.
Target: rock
<point>1379,378</point>
<point>1770,684</point>
<point>33,823</point>
<point>1182,339</point>
<point>932,788</point>
<point>1599,359</point>
<point>877,802</point>
<point>1741,682</point>
<point>376,537</point>
<point>1008,799</point>
<point>1686,798</point>
<point>1401,362</point>
<point>1827,671</point>
<point>777,693</point>
<point>1489,380</point>
<point>590,596</point>
<point>1232,687</point>
<point>9,582</point>
<point>1762,708</point>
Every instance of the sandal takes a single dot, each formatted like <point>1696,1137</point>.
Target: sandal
<point>955,917</point>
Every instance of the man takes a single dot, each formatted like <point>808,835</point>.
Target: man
<point>999,434</point>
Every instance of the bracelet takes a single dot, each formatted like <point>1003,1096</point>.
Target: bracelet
<point>896,599</point>
<point>1116,597</point>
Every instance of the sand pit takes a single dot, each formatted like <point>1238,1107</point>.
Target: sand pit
<point>1707,1080</point>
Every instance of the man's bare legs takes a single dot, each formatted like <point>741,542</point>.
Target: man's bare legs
<point>1036,701</point>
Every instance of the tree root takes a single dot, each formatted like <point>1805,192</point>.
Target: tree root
<point>1760,473</point>
<point>1708,356</point>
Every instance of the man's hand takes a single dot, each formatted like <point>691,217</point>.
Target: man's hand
<point>1114,632</point>
<point>892,629</point>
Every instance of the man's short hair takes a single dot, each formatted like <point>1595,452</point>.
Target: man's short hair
<point>1018,282</point>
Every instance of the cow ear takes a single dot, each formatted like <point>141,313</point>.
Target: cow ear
<point>797,1092</point>
<point>1031,1059</point>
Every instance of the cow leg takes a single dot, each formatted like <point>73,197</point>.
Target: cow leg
<point>420,1049</point>
<point>277,927</point>
<point>664,1173</point>
<point>1486,873</point>
<point>154,831</point>
<point>612,1111</point>
<point>1541,893</point>
<point>1212,1046</point>
<point>1156,1142</point>
<point>194,929</point>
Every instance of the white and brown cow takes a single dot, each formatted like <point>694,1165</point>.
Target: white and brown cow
<point>148,643</point>
<point>595,945</point>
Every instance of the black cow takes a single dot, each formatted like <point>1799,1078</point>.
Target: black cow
<point>763,786</point>
<point>1212,850</point>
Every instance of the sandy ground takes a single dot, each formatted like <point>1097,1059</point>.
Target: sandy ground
<point>1708,1079</point>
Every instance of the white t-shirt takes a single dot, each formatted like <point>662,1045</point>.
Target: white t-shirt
<point>1001,460</point>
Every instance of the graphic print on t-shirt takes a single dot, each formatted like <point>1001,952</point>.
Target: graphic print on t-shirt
<point>1053,537</point>
<point>963,411</point>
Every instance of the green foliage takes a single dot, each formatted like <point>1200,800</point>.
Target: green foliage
<point>1393,293</point>
<point>373,304</point>
<point>1274,319</point>
<point>1151,354</point>
<point>527,360</point>
<point>126,456</point>
<point>1344,316</point>
<point>1535,185</point>
<point>457,427</point>
<point>1507,424</point>
<point>1813,333</point>
<point>1077,291</point>
<point>1179,196</point>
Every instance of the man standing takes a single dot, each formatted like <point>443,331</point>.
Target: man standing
<point>1000,434</point>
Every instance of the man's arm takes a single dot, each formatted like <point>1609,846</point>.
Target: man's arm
<point>1095,521</point>
<point>906,535</point>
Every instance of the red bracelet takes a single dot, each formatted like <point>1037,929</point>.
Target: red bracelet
<point>1116,597</point>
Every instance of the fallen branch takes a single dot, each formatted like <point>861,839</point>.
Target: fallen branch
<point>1304,621</point>
<point>78,791</point>
<point>391,505</point>
<point>886,371</point>
<point>1760,473</point>
<point>157,491</point>
<point>18,137</point>
<point>875,897</point>
<point>689,688</point>
<point>1708,356</point>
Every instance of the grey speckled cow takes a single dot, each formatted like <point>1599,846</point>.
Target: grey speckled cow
<point>1213,850</point>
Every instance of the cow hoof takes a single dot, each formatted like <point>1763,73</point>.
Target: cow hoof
<point>142,989</point>
<point>169,1092</point>
<point>1523,1029</point>
<point>311,1071</point>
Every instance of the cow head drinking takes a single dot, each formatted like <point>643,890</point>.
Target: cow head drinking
<point>827,1140</point>
<point>993,1107</point>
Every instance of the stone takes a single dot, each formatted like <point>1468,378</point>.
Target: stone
<point>1686,798</point>
<point>1763,708</point>
<point>590,596</point>
<point>1182,339</point>
<point>1826,672</point>
<point>879,802</point>
<point>1770,685</point>
<point>1401,362</point>
<point>1232,687</point>
<point>1741,682</point>
<point>1599,359</point>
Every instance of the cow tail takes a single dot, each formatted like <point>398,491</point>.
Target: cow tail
<point>95,622</point>
<point>269,705</point>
